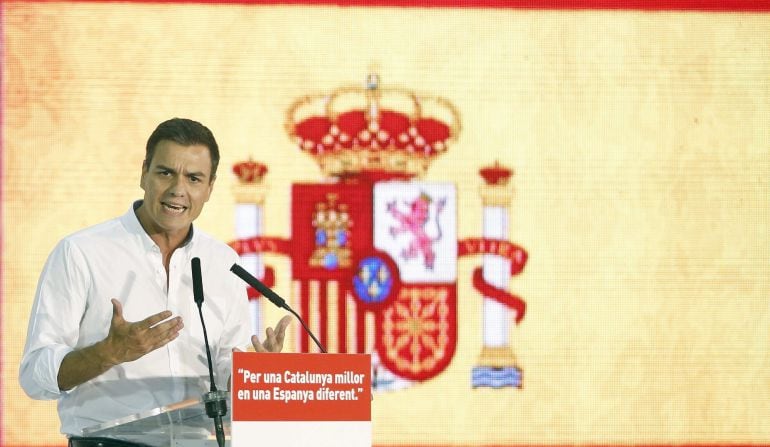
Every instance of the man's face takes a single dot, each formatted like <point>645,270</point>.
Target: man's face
<point>176,184</point>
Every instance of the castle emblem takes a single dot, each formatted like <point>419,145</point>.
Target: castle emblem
<point>374,248</point>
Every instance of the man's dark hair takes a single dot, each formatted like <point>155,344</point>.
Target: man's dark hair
<point>185,132</point>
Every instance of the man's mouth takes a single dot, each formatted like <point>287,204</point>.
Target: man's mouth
<point>173,208</point>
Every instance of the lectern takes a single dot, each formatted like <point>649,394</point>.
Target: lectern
<point>290,400</point>
<point>183,424</point>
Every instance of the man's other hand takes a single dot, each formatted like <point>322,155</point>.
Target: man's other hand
<point>274,338</point>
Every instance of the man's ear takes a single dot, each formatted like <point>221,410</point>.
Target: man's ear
<point>211,186</point>
<point>144,174</point>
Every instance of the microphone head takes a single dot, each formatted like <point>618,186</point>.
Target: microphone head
<point>237,269</point>
<point>197,281</point>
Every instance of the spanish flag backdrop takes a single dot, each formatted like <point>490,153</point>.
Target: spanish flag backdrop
<point>613,158</point>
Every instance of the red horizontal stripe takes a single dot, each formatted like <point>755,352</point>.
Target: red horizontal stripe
<point>640,5</point>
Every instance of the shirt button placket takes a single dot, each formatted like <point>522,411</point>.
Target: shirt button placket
<point>173,304</point>
<point>157,262</point>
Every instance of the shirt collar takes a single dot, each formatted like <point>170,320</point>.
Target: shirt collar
<point>132,224</point>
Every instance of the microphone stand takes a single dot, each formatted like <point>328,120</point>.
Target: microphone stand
<point>215,401</point>
<point>307,329</point>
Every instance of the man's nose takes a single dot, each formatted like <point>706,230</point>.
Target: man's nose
<point>177,187</point>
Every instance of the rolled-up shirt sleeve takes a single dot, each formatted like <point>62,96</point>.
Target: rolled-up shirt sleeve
<point>54,323</point>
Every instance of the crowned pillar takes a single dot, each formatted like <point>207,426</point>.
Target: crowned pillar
<point>249,193</point>
<point>496,366</point>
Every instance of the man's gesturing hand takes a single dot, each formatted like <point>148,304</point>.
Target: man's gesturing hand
<point>125,342</point>
<point>128,341</point>
<point>274,340</point>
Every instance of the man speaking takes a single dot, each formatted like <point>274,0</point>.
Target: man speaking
<point>113,328</point>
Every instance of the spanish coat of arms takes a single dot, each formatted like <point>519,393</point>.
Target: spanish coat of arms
<point>374,249</point>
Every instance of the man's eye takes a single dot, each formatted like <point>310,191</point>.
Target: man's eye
<point>195,179</point>
<point>164,173</point>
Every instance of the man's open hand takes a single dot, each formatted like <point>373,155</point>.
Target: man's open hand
<point>274,338</point>
<point>129,341</point>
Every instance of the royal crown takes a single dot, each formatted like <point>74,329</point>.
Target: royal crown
<point>372,132</point>
<point>250,187</point>
<point>496,190</point>
<point>249,171</point>
<point>496,174</point>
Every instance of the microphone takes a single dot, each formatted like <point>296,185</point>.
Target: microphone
<point>274,298</point>
<point>260,286</point>
<point>214,401</point>
<point>197,283</point>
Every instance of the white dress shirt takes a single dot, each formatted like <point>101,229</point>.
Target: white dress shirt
<point>72,310</point>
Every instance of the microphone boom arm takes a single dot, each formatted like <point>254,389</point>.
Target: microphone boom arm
<point>274,298</point>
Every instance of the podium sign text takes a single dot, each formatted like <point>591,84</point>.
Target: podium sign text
<point>301,399</point>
